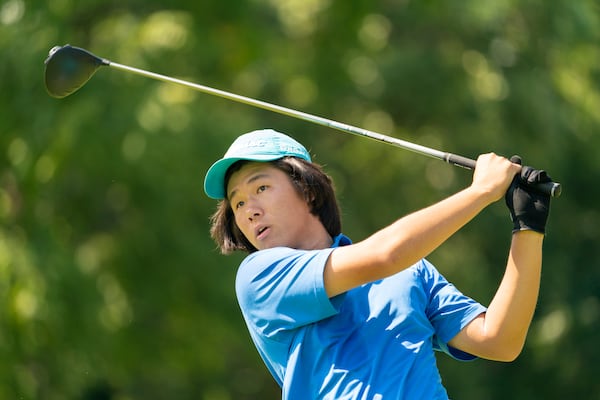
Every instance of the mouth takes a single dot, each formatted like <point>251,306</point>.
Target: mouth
<point>261,232</point>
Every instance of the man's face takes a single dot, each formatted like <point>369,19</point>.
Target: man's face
<point>269,211</point>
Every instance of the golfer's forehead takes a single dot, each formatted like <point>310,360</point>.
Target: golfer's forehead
<point>248,174</point>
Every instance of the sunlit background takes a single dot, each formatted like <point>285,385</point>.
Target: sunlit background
<point>110,285</point>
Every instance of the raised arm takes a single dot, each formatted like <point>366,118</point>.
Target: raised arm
<point>500,333</point>
<point>413,237</point>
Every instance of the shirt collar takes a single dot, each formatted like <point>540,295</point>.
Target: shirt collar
<point>341,240</point>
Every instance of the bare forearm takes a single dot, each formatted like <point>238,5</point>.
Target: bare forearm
<point>511,310</point>
<point>418,234</point>
<point>500,333</point>
<point>413,237</point>
<point>403,243</point>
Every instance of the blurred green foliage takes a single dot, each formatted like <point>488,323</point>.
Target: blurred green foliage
<point>110,287</point>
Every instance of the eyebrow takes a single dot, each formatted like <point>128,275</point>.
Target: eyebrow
<point>250,180</point>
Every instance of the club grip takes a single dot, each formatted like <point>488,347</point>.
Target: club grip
<point>553,189</point>
<point>460,161</point>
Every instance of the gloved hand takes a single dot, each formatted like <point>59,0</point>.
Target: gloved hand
<point>528,207</point>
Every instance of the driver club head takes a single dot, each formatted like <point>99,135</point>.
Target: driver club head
<point>68,68</point>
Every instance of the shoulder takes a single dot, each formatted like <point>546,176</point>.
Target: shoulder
<point>281,289</point>
<point>267,267</point>
<point>270,260</point>
<point>428,273</point>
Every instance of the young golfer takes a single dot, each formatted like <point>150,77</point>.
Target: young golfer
<point>334,319</point>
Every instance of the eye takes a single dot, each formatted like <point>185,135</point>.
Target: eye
<point>239,204</point>
<point>261,188</point>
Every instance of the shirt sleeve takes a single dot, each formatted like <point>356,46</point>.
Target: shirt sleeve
<point>281,289</point>
<point>448,310</point>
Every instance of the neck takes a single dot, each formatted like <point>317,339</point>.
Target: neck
<point>317,236</point>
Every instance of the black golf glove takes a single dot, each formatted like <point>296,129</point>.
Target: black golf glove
<point>528,207</point>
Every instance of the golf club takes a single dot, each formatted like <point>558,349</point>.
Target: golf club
<point>68,68</point>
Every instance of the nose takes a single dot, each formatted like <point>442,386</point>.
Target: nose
<point>253,210</point>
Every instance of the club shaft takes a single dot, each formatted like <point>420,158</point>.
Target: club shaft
<point>552,188</point>
<point>290,112</point>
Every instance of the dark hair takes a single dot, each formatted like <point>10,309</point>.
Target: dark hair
<point>311,182</point>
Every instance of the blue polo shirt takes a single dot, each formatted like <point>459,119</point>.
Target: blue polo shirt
<point>373,342</point>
